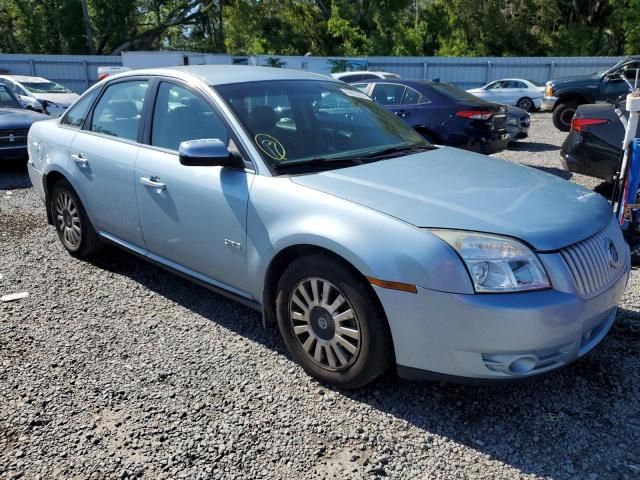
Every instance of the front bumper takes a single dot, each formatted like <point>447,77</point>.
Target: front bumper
<point>537,103</point>
<point>499,336</point>
<point>37,179</point>
<point>548,103</point>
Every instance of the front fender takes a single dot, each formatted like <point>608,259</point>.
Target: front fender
<point>282,214</point>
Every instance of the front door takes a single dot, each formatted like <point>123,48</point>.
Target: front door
<point>613,85</point>
<point>193,218</point>
<point>102,161</point>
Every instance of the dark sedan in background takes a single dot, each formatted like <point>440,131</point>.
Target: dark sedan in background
<point>594,144</point>
<point>442,113</point>
<point>15,122</point>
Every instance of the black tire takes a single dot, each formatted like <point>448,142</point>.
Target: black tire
<point>374,347</point>
<point>69,215</point>
<point>563,114</point>
<point>526,104</point>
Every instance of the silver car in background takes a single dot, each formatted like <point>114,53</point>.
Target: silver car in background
<point>40,94</point>
<point>518,92</point>
<point>301,197</point>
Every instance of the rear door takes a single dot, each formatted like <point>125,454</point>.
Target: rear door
<point>102,160</point>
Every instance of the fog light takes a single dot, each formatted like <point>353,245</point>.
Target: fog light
<point>523,365</point>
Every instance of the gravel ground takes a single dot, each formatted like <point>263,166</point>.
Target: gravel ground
<point>116,369</point>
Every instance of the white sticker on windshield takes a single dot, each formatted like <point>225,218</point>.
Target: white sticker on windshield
<point>356,94</point>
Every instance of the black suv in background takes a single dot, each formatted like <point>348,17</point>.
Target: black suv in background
<point>564,95</point>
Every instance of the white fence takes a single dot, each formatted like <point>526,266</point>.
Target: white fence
<point>78,72</point>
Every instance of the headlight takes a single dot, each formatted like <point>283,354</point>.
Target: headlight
<point>549,91</point>
<point>496,264</point>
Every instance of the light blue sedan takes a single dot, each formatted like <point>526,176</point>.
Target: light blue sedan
<point>301,197</point>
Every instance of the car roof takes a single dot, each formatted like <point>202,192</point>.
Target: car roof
<point>25,78</point>
<point>402,81</point>
<point>226,74</point>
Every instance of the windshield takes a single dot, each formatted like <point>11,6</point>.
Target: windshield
<point>296,122</point>
<point>45,87</point>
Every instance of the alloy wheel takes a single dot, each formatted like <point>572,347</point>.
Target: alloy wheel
<point>68,220</point>
<point>525,104</point>
<point>325,324</point>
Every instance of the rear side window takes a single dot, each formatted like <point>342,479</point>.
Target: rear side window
<point>388,93</point>
<point>77,114</point>
<point>411,97</point>
<point>118,110</point>
<point>181,115</point>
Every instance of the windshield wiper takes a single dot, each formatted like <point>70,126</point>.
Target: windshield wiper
<point>392,151</point>
<point>320,162</point>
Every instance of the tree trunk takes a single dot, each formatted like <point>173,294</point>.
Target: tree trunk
<point>87,27</point>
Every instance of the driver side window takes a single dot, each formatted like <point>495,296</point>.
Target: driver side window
<point>180,115</point>
<point>630,70</point>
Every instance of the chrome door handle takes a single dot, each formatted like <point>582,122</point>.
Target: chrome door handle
<point>80,159</point>
<point>152,182</point>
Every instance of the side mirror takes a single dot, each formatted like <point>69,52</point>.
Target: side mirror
<point>37,106</point>
<point>208,152</point>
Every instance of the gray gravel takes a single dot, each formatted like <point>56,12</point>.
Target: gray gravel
<point>116,369</point>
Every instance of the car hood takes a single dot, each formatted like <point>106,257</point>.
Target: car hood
<point>11,118</point>
<point>575,78</point>
<point>451,188</point>
<point>62,99</point>
<point>476,90</point>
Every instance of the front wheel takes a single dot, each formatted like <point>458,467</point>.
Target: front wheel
<point>563,114</point>
<point>72,224</point>
<point>331,324</point>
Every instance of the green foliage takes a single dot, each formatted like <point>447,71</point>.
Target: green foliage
<point>324,27</point>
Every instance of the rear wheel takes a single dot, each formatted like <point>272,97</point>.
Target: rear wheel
<point>331,324</point>
<point>70,219</point>
<point>563,114</point>
<point>525,104</point>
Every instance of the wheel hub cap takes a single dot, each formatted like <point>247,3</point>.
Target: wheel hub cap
<point>325,324</point>
<point>68,220</point>
<point>322,323</point>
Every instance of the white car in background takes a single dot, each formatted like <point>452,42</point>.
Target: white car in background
<point>40,94</point>
<point>360,75</point>
<point>104,72</point>
<point>521,93</point>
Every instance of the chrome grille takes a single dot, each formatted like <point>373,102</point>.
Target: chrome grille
<point>14,137</point>
<point>592,261</point>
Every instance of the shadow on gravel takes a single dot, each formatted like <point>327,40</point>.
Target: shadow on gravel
<point>558,172</point>
<point>13,175</point>
<point>190,295</point>
<point>532,147</point>
<point>571,423</point>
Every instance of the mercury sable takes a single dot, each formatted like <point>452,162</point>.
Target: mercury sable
<point>300,196</point>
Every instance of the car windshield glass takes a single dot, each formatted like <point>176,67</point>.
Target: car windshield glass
<point>452,92</point>
<point>322,124</point>
<point>45,87</point>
